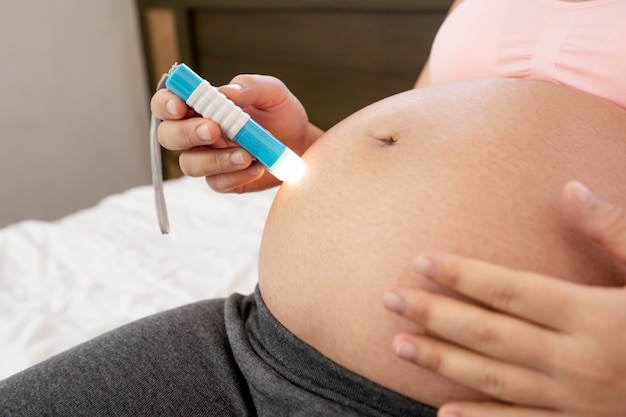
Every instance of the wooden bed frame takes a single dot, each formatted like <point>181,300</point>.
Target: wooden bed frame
<point>336,56</point>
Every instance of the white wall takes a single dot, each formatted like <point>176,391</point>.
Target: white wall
<point>73,106</point>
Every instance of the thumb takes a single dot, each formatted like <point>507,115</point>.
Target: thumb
<point>600,221</point>
<point>262,92</point>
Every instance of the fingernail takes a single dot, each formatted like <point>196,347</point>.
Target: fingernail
<point>237,87</point>
<point>171,109</point>
<point>203,132</point>
<point>236,158</point>
<point>405,350</point>
<point>584,194</point>
<point>255,170</point>
<point>424,265</point>
<point>393,302</point>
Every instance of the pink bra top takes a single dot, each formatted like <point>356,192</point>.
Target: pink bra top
<point>578,44</point>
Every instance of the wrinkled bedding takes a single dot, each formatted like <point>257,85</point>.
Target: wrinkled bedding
<point>66,281</point>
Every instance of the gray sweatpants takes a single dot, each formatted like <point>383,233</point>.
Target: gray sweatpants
<point>227,357</point>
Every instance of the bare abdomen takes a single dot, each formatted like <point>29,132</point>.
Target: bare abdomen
<point>475,168</point>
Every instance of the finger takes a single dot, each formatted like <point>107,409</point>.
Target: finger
<point>493,334</point>
<point>205,162</point>
<point>599,220</point>
<point>500,380</point>
<point>190,133</point>
<point>247,180</point>
<point>466,409</point>
<point>534,297</point>
<point>167,106</point>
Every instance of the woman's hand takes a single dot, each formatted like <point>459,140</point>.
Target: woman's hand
<point>542,346</point>
<point>227,167</point>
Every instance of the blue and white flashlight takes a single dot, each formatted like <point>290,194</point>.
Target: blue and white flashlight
<point>236,125</point>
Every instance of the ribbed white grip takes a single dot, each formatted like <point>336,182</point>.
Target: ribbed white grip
<point>211,104</point>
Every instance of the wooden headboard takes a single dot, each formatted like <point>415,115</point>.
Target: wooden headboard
<point>336,56</point>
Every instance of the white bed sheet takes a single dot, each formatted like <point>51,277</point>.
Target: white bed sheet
<point>64,282</point>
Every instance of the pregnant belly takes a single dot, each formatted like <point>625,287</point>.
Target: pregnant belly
<point>475,168</point>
